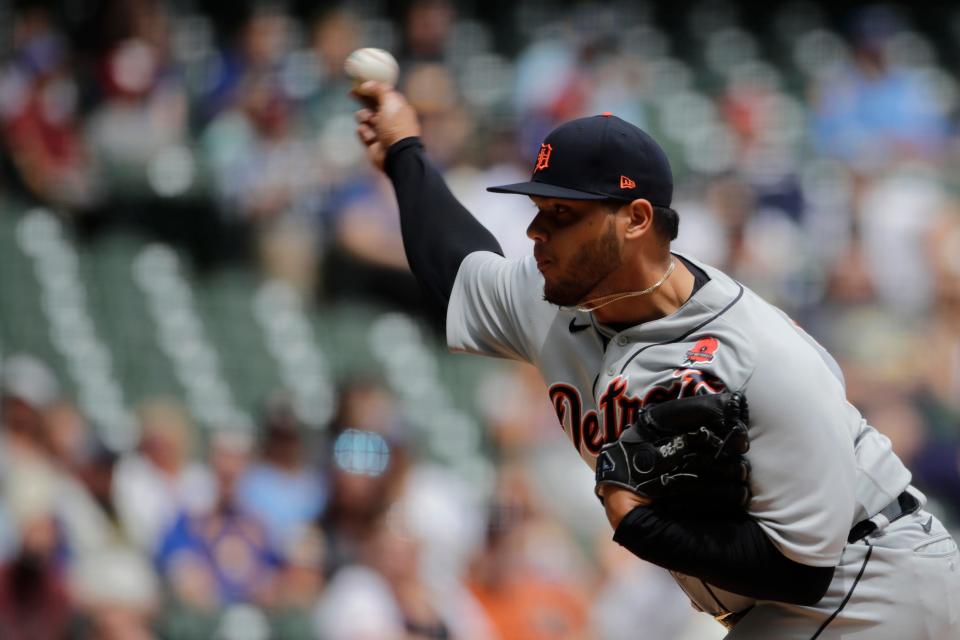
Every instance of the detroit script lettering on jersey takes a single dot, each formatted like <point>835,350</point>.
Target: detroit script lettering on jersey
<point>617,409</point>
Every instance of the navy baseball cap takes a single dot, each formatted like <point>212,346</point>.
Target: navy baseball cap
<point>598,158</point>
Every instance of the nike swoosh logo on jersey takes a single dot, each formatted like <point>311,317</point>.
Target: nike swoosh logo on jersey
<point>926,526</point>
<point>576,328</point>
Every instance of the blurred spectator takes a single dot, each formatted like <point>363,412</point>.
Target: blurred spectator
<point>47,474</point>
<point>897,211</point>
<point>222,554</point>
<point>899,401</point>
<point>30,482</point>
<point>767,124</point>
<point>39,100</point>
<point>367,260</point>
<point>933,457</point>
<point>516,578</point>
<point>281,488</point>
<point>299,585</point>
<point>942,332</point>
<point>39,104</point>
<point>635,595</point>
<point>871,112</point>
<point>27,388</point>
<point>118,593</point>
<point>936,469</point>
<point>708,226</point>
<point>522,425</point>
<point>366,475</point>
<point>358,604</point>
<point>545,71</point>
<point>849,281</point>
<point>34,601</point>
<point>68,433</point>
<point>496,162</point>
<point>153,485</point>
<point>258,51</point>
<point>518,427</point>
<point>761,246</point>
<point>263,169</point>
<point>141,119</point>
<point>84,500</point>
<point>268,176</point>
<point>445,123</point>
<point>366,463</point>
<point>897,418</point>
<point>427,29</point>
<point>618,84</point>
<point>394,597</point>
<point>335,34</point>
<point>384,596</point>
<point>365,480</point>
<point>389,589</point>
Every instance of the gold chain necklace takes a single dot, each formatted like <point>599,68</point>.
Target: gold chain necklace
<point>602,301</point>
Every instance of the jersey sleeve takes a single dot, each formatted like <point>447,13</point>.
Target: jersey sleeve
<point>804,468</point>
<point>496,308</point>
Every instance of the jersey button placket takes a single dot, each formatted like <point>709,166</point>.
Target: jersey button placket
<point>623,341</point>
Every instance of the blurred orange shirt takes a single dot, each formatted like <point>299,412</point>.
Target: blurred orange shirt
<point>531,608</point>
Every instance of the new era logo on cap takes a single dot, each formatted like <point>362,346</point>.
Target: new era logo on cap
<point>598,158</point>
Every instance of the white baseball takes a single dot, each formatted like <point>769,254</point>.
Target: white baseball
<point>372,64</point>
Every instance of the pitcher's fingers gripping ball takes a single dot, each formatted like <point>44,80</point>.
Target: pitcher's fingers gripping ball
<point>386,119</point>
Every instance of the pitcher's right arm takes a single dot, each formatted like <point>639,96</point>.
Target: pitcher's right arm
<point>438,232</point>
<point>492,305</point>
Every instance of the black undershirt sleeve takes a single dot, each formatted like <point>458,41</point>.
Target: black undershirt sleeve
<point>438,232</point>
<point>732,553</point>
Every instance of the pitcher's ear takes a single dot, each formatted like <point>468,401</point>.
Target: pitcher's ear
<point>640,222</point>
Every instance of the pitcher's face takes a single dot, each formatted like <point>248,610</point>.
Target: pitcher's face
<point>576,245</point>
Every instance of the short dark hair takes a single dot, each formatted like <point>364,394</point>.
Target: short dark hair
<point>666,221</point>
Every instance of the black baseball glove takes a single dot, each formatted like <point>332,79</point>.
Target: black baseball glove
<point>684,451</point>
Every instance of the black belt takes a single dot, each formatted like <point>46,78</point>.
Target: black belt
<point>905,504</point>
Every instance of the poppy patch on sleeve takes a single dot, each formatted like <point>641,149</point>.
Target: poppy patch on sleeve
<point>703,352</point>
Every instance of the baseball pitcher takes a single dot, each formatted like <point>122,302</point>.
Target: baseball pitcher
<point>723,445</point>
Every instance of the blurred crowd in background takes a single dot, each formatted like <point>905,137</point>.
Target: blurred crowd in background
<point>816,151</point>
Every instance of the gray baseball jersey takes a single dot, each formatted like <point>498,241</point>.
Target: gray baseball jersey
<point>817,466</point>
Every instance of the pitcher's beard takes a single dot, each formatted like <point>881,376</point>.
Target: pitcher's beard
<point>587,268</point>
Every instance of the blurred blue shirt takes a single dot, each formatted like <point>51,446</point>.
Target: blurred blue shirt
<point>231,550</point>
<point>284,501</point>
